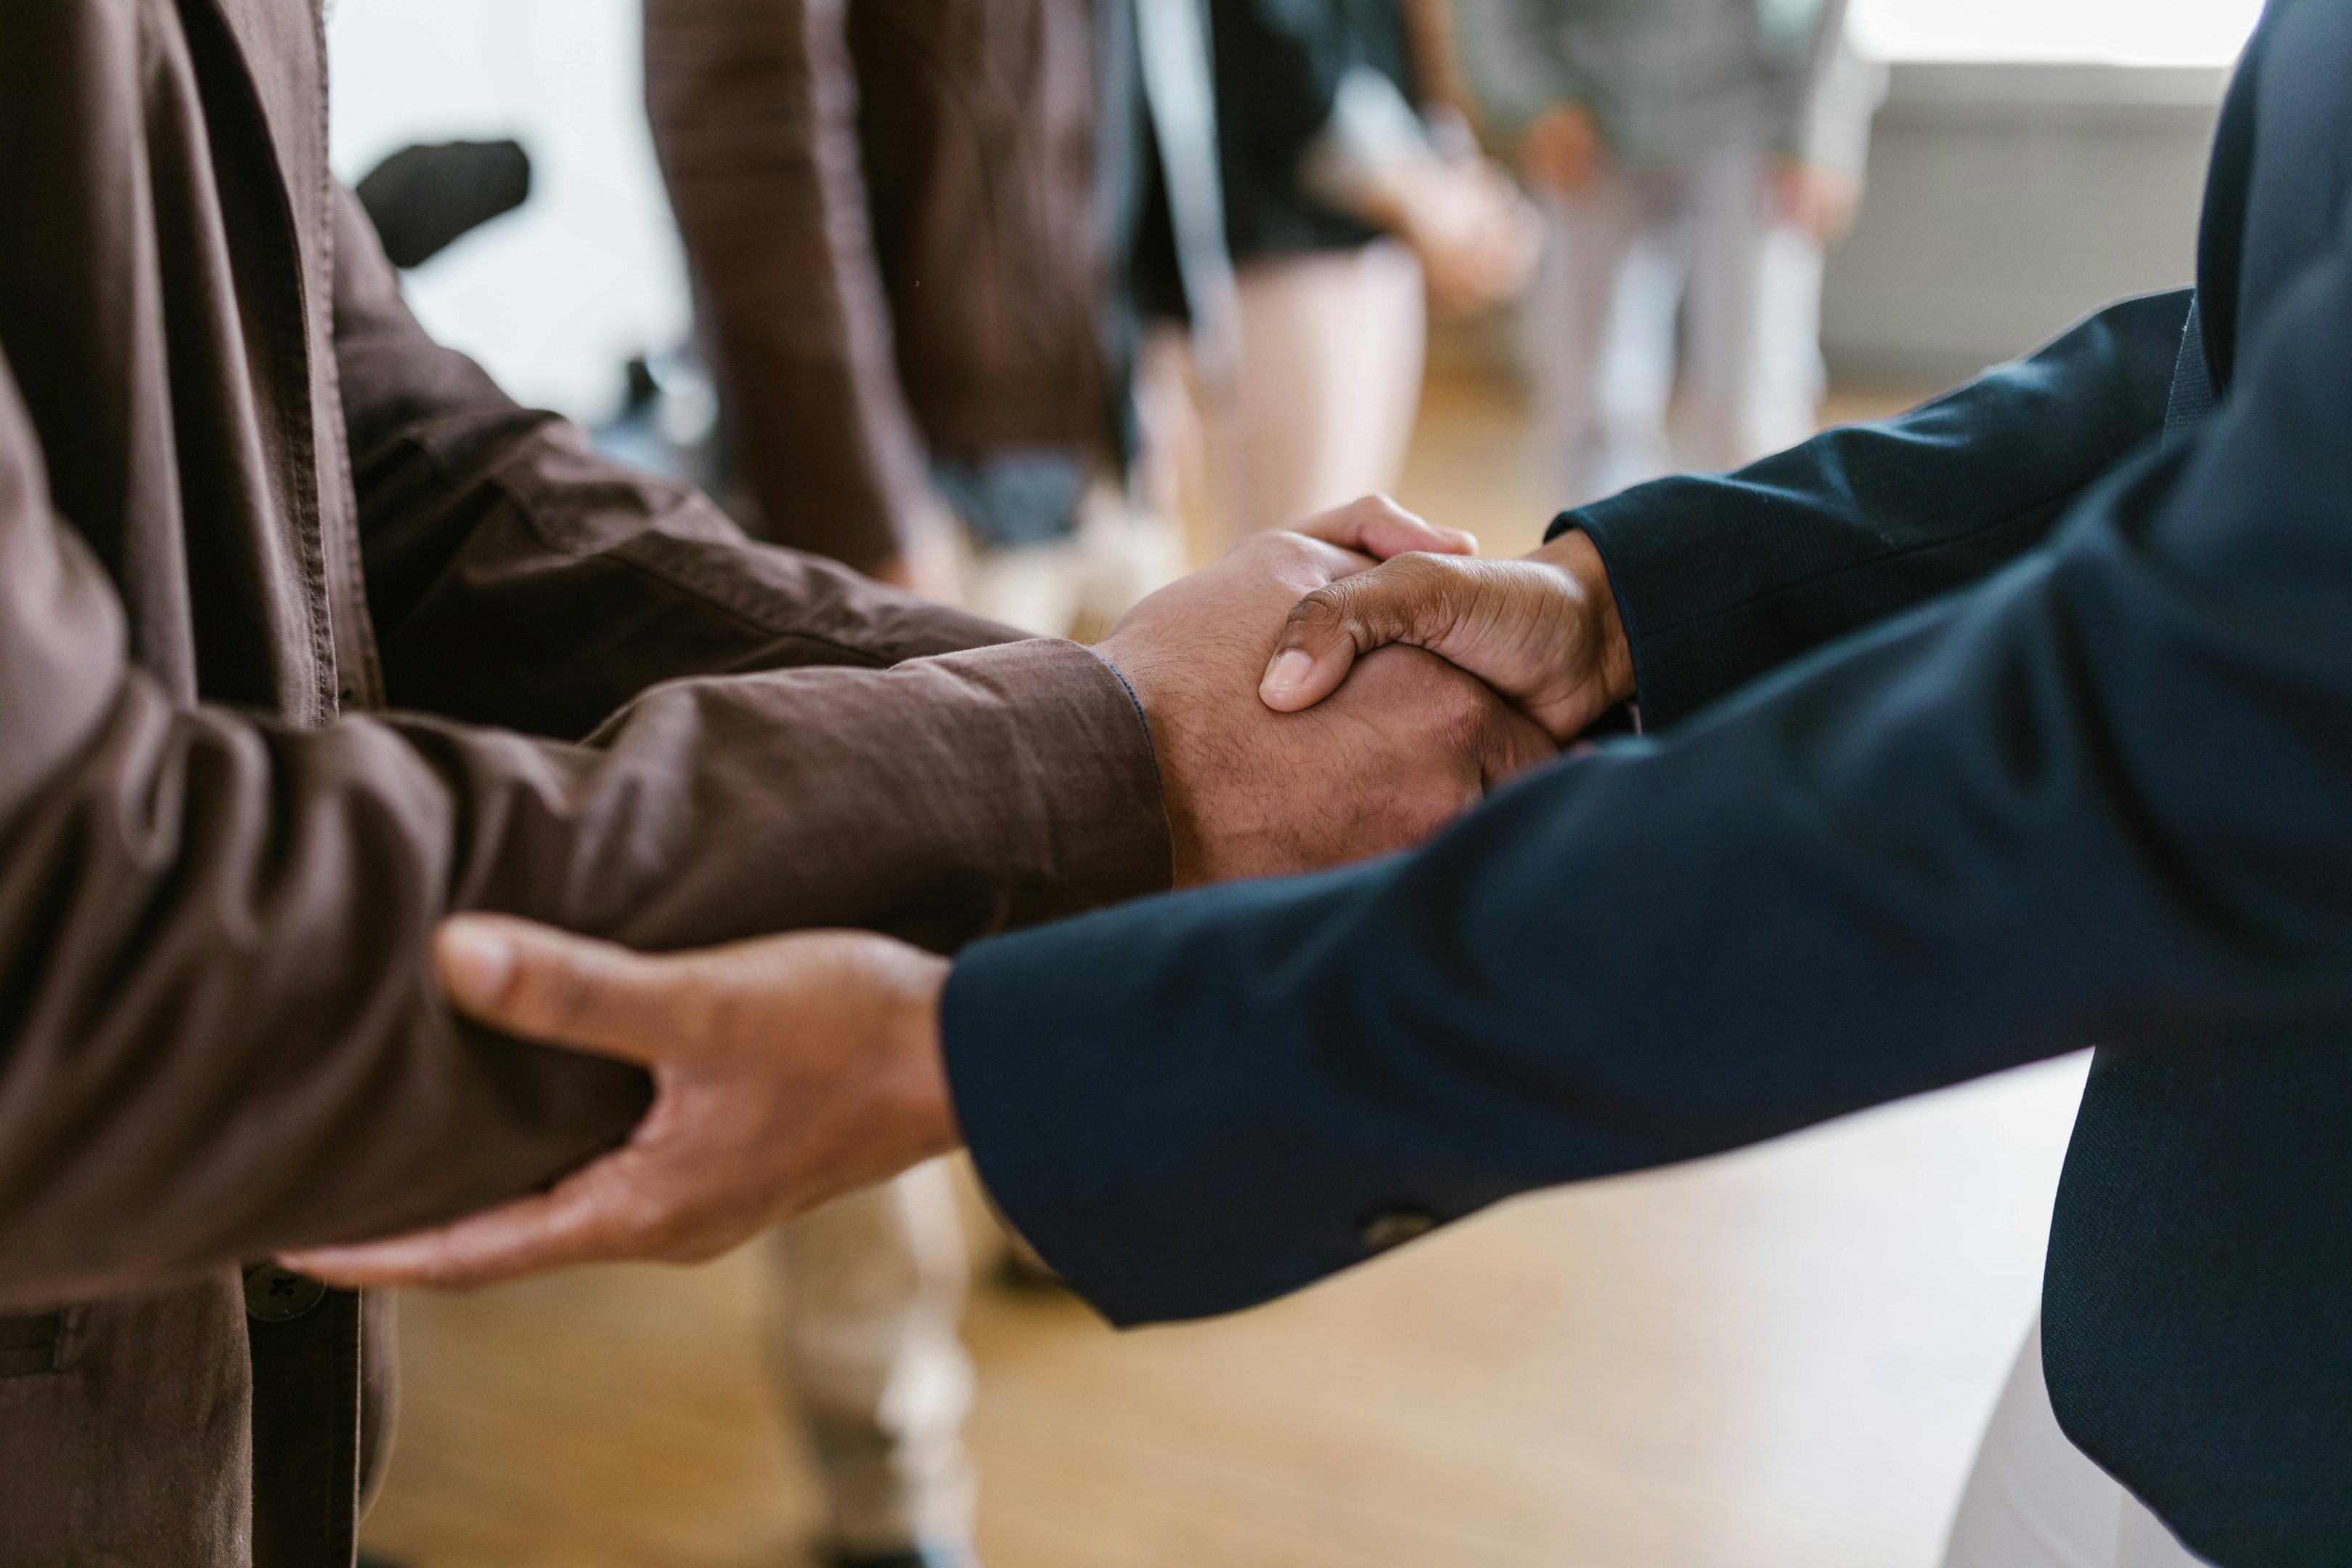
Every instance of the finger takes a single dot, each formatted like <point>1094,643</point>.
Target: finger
<point>1379,528</point>
<point>540,984</point>
<point>1406,600</point>
<point>589,1218</point>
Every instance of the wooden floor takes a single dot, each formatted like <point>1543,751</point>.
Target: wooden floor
<point>1776,1360</point>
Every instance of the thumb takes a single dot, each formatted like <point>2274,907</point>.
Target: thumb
<point>539,984</point>
<point>1410,600</point>
<point>1378,527</point>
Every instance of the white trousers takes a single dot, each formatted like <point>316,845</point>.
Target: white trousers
<point>1646,269</point>
<point>2035,1501</point>
<point>862,1336</point>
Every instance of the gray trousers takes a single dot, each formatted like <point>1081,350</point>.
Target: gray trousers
<point>1656,278</point>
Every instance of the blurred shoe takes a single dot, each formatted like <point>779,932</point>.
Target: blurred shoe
<point>1021,1271</point>
<point>906,1557</point>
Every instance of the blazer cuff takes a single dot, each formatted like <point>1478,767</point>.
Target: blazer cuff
<point>1647,552</point>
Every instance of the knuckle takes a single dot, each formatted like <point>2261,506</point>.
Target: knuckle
<point>1459,715</point>
<point>1281,548</point>
<point>1321,614</point>
<point>1421,574</point>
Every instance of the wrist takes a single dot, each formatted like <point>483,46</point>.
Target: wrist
<point>922,1102</point>
<point>1611,655</point>
<point>923,1049</point>
<point>1136,670</point>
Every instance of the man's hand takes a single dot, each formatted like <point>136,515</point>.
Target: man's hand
<point>790,1069</point>
<point>1402,746</point>
<point>1541,630</point>
<point>1562,150</point>
<point>786,1071</point>
<point>1476,238</point>
<point>1823,202</point>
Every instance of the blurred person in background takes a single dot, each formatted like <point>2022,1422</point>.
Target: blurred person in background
<point>907,232</point>
<point>1346,217</point>
<point>890,214</point>
<point>1694,160</point>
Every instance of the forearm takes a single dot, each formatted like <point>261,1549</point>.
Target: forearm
<point>1834,894</point>
<point>229,1039</point>
<point>2019,821</point>
<point>1719,579</point>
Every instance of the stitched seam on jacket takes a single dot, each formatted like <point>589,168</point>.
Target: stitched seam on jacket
<point>627,553</point>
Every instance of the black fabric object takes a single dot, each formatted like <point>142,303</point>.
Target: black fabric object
<point>1279,65</point>
<point>423,199</point>
<point>2018,723</point>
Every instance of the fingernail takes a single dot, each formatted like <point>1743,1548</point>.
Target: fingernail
<point>477,961</point>
<point>1289,671</point>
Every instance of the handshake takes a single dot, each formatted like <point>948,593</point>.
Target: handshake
<point>1316,697</point>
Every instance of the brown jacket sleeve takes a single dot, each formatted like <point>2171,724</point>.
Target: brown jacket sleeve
<point>754,112</point>
<point>218,1032</point>
<point>515,578</point>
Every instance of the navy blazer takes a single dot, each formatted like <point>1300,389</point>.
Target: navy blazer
<point>2018,723</point>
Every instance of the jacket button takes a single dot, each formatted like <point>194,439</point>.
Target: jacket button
<point>275,1295</point>
<point>1396,1224</point>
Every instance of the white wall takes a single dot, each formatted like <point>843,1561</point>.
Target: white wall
<point>554,298</point>
<point>2006,200</point>
<point>2078,32</point>
<point>2017,182</point>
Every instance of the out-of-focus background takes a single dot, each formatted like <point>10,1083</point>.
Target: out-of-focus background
<point>1779,1358</point>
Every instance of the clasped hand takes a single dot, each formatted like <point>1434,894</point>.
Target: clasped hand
<point>1306,708</point>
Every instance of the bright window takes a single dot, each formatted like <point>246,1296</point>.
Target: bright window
<point>2114,32</point>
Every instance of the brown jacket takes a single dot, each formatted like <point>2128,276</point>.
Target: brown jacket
<point>246,511</point>
<point>888,205</point>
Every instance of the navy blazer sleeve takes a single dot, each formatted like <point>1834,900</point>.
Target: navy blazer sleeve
<point>1720,578</point>
<point>2104,794</point>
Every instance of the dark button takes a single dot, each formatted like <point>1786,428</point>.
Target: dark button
<point>1395,1226</point>
<point>274,1295</point>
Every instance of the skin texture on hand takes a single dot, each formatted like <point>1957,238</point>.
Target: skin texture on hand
<point>1541,630</point>
<point>1404,743</point>
<point>786,1071</point>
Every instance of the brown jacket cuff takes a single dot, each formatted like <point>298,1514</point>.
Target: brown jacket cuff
<point>1087,805</point>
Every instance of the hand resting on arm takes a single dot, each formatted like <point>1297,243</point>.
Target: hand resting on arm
<point>790,1069</point>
